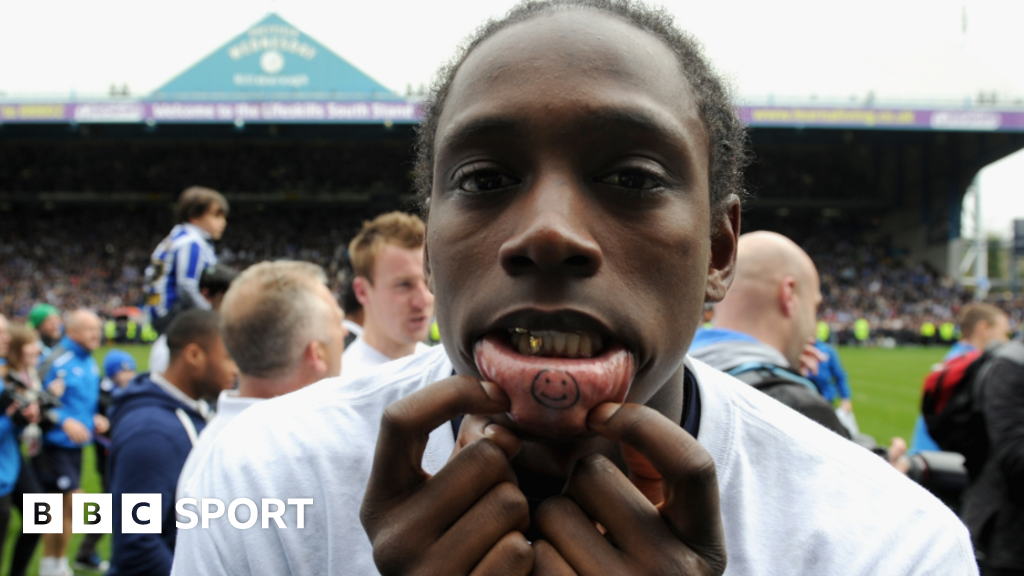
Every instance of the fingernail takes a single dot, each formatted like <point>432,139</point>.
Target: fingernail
<point>602,414</point>
<point>492,429</point>
<point>494,392</point>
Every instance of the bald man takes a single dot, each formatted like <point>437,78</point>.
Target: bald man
<point>284,329</point>
<point>59,465</point>
<point>765,321</point>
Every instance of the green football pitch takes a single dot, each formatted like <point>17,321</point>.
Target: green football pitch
<point>886,394</point>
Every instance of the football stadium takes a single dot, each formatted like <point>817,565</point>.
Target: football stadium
<point>299,150</point>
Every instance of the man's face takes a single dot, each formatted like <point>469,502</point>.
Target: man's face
<point>50,327</point>
<point>570,200</point>
<point>335,329</point>
<point>402,304</point>
<point>219,372</point>
<point>807,314</point>
<point>123,377</point>
<point>86,331</point>
<point>213,221</point>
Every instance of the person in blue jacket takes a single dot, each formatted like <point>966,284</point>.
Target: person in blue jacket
<point>831,378</point>
<point>155,422</point>
<point>59,465</point>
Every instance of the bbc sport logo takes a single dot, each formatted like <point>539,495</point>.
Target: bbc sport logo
<point>143,513</point>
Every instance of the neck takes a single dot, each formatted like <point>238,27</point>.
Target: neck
<point>256,387</point>
<point>385,345</point>
<point>774,333</point>
<point>177,376</point>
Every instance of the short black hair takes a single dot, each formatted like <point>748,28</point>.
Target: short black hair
<point>196,326</point>
<point>728,142</point>
<point>196,201</point>
<point>217,279</point>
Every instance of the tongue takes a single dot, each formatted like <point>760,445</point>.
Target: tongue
<point>552,396</point>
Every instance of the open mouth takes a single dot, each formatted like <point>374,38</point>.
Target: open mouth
<point>554,378</point>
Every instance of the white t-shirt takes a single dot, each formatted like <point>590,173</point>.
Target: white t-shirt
<point>360,358</point>
<point>229,405</point>
<point>159,355</point>
<point>795,497</point>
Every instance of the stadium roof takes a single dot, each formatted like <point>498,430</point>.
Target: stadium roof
<point>273,60</point>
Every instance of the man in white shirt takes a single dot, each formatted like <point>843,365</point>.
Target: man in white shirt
<point>284,328</point>
<point>387,258</point>
<point>583,167</point>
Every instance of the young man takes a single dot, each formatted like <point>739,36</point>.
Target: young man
<point>156,420</point>
<point>583,166</point>
<point>71,373</point>
<point>284,328</point>
<point>387,257</point>
<point>45,319</point>
<point>981,326</point>
<point>172,278</point>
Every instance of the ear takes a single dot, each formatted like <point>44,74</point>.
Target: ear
<point>195,355</point>
<point>316,356</point>
<point>360,285</point>
<point>725,234</point>
<point>426,261</point>
<point>788,296</point>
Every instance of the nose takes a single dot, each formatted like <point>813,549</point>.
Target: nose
<point>553,237</point>
<point>422,297</point>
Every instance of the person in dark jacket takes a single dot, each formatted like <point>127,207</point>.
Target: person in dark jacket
<point>155,421</point>
<point>993,507</point>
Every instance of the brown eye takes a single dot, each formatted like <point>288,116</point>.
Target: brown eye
<point>631,179</point>
<point>487,181</point>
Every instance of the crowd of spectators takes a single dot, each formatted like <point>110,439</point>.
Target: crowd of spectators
<point>95,257</point>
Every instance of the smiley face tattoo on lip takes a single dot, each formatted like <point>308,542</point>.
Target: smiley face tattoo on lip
<point>556,389</point>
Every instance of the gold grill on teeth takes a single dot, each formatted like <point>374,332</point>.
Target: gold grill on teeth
<point>554,343</point>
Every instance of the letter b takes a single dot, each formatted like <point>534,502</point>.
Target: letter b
<point>90,513</point>
<point>44,513</point>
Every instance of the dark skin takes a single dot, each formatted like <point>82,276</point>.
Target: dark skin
<point>570,191</point>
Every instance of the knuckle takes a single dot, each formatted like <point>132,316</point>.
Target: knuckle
<point>510,501</point>
<point>553,508</point>
<point>395,417</point>
<point>516,552</point>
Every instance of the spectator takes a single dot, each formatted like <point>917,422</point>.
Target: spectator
<point>172,279</point>
<point>156,421</point>
<point>45,319</point>
<point>22,359</point>
<point>993,505</point>
<point>831,378</point>
<point>284,329</point>
<point>59,465</point>
<point>763,325</point>
<point>387,257</point>
<point>981,326</point>
<point>118,370</point>
<point>213,284</point>
<point>10,454</point>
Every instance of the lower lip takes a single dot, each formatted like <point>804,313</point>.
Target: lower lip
<point>552,396</point>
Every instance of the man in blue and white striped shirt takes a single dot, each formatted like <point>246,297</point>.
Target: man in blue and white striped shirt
<point>172,278</point>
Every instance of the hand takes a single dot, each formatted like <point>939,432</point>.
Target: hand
<point>56,387</point>
<point>603,524</point>
<point>898,455</point>
<point>31,412</point>
<point>846,405</point>
<point>76,431</point>
<point>100,423</point>
<point>811,358</point>
<point>466,519</point>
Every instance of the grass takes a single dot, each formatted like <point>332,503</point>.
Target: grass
<point>886,397</point>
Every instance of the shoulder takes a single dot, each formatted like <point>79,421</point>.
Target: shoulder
<point>771,460</point>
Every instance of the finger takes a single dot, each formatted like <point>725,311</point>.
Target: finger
<point>562,523</point>
<point>407,423</point>
<point>501,511</point>
<point>690,483</point>
<point>477,427</point>
<point>548,562</point>
<point>601,490</point>
<point>512,555</point>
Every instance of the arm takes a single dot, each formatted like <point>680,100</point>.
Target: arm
<point>190,265</point>
<point>842,381</point>
<point>1003,405</point>
<point>136,467</point>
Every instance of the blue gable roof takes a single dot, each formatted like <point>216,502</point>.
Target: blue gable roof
<point>273,60</point>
